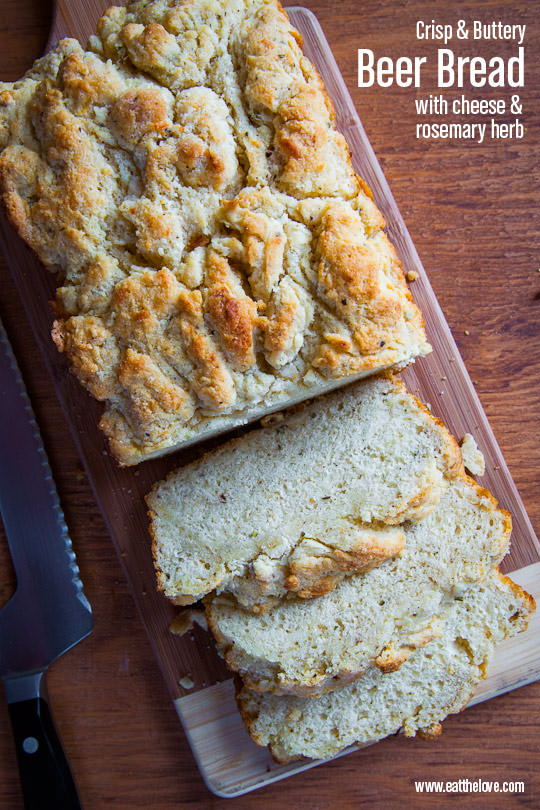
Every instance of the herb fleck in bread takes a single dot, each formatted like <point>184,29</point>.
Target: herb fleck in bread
<point>436,681</point>
<point>218,256</point>
<point>380,617</point>
<point>293,508</point>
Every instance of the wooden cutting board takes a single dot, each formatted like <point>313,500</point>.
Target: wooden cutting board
<point>230,763</point>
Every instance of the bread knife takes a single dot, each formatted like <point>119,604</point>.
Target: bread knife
<point>48,612</point>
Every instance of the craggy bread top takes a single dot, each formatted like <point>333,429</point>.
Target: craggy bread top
<point>218,256</point>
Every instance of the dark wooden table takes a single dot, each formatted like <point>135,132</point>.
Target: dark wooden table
<point>473,211</point>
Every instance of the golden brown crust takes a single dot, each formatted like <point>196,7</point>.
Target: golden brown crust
<point>153,396</point>
<point>273,58</point>
<point>309,143</point>
<point>92,350</point>
<point>281,83</point>
<point>140,113</point>
<point>211,380</point>
<point>197,141</point>
<point>86,81</point>
<point>231,312</point>
<point>349,278</point>
<point>151,48</point>
<point>521,595</point>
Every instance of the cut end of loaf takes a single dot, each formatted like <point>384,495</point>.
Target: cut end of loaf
<point>294,508</point>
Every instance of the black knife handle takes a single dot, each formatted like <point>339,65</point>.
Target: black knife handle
<point>45,775</point>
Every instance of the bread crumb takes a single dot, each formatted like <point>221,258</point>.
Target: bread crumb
<point>185,620</point>
<point>429,732</point>
<point>412,275</point>
<point>186,682</point>
<point>466,332</point>
<point>272,419</point>
<point>473,458</point>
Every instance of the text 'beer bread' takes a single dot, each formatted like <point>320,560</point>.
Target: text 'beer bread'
<point>436,681</point>
<point>293,508</point>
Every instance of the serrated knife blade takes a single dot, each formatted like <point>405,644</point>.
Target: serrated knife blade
<point>48,613</point>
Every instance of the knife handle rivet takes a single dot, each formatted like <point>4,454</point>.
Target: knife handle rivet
<point>30,745</point>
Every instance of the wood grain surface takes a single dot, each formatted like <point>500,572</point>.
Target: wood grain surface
<point>473,212</point>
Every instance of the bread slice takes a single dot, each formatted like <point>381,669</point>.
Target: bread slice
<point>293,508</point>
<point>219,257</point>
<point>380,617</point>
<point>436,681</point>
